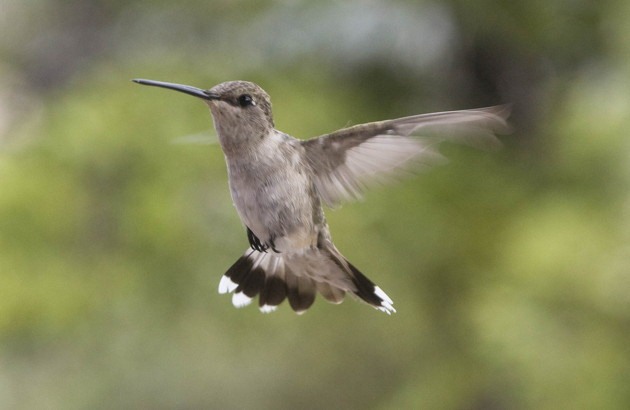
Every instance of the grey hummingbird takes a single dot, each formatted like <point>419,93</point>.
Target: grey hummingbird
<point>279,185</point>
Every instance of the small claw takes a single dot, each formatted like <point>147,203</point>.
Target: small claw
<point>272,244</point>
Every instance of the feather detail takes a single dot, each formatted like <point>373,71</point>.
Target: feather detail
<point>298,278</point>
<point>346,161</point>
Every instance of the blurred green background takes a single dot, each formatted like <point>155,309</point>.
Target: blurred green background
<point>509,269</point>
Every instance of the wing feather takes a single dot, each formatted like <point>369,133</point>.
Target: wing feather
<point>346,161</point>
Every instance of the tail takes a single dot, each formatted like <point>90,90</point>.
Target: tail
<point>276,277</point>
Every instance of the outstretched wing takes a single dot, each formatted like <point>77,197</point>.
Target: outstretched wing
<point>346,160</point>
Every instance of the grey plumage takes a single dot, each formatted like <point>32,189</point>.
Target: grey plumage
<point>345,160</point>
<point>279,183</point>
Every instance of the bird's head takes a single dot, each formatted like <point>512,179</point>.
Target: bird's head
<point>241,109</point>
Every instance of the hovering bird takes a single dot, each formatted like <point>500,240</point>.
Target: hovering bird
<point>279,185</point>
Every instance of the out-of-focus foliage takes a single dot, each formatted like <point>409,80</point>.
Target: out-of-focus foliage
<point>510,270</point>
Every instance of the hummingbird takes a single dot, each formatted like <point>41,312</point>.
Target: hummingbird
<point>279,185</point>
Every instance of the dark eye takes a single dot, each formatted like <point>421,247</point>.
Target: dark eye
<point>245,100</point>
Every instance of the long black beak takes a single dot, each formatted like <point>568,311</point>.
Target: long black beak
<point>187,89</point>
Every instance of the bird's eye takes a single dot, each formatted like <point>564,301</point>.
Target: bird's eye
<point>245,100</point>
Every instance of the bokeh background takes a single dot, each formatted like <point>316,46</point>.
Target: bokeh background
<point>509,269</point>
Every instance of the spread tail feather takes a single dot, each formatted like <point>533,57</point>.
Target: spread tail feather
<point>276,277</point>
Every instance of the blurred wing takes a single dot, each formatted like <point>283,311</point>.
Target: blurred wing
<point>202,138</point>
<point>348,159</point>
